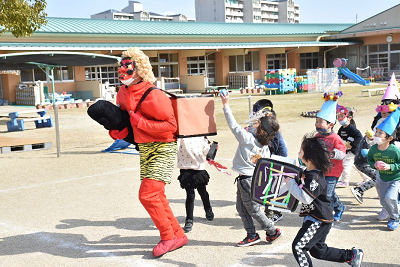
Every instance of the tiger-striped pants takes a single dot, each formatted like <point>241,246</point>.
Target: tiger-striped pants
<point>156,164</point>
<point>157,160</point>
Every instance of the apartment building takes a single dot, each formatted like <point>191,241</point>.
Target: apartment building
<point>134,11</point>
<point>247,11</point>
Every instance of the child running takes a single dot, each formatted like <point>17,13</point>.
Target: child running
<point>385,157</point>
<point>324,125</point>
<point>250,149</point>
<point>277,146</point>
<point>351,136</point>
<point>193,175</point>
<point>389,103</point>
<point>316,209</point>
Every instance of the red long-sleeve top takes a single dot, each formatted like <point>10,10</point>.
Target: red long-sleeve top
<point>158,123</point>
<point>334,141</point>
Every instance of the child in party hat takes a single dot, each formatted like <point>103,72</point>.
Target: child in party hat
<point>389,103</point>
<point>385,157</point>
<point>324,123</point>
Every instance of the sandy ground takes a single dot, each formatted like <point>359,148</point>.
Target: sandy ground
<point>81,209</point>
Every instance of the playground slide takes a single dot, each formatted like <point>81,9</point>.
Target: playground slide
<point>346,72</point>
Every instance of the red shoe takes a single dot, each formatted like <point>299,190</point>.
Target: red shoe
<point>180,242</point>
<point>164,246</point>
<point>272,238</point>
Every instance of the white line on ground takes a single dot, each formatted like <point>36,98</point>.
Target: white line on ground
<point>66,181</point>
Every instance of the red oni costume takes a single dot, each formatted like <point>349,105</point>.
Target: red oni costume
<point>153,126</point>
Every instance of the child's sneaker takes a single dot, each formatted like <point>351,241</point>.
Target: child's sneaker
<point>277,216</point>
<point>342,184</point>
<point>338,215</point>
<point>393,224</point>
<point>249,241</point>
<point>188,226</point>
<point>272,238</point>
<point>358,194</point>
<point>358,255</point>
<point>383,215</point>
<point>209,214</point>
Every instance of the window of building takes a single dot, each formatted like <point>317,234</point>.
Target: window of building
<point>61,74</point>
<point>103,73</point>
<point>201,65</point>
<point>245,63</point>
<point>395,56</point>
<point>395,61</point>
<point>276,61</point>
<point>378,58</point>
<point>395,47</point>
<point>196,65</point>
<point>165,65</point>
<point>309,60</point>
<point>352,58</point>
<point>363,56</point>
<point>339,52</point>
<point>27,75</point>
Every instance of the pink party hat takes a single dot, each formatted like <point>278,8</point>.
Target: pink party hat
<point>392,91</point>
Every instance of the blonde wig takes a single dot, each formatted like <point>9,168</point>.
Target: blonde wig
<point>142,62</point>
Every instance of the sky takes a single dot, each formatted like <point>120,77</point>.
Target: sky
<point>311,11</point>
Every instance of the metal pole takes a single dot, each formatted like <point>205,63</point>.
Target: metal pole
<point>248,97</point>
<point>250,107</point>
<point>55,108</point>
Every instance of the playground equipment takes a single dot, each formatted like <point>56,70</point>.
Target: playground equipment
<point>19,124</point>
<point>282,79</point>
<point>322,80</point>
<point>300,83</point>
<point>341,63</point>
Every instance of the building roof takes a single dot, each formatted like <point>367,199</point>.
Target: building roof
<point>385,22</point>
<point>350,29</point>
<point>109,11</point>
<point>132,27</point>
<point>160,46</point>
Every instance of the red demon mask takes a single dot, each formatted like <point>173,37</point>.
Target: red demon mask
<point>126,69</point>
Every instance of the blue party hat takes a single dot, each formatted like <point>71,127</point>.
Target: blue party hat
<point>328,111</point>
<point>391,122</point>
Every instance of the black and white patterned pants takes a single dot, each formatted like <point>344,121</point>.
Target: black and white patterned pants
<point>311,238</point>
<point>371,173</point>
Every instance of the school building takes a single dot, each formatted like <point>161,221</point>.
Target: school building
<point>205,54</point>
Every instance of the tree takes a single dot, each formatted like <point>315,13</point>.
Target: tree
<point>22,17</point>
